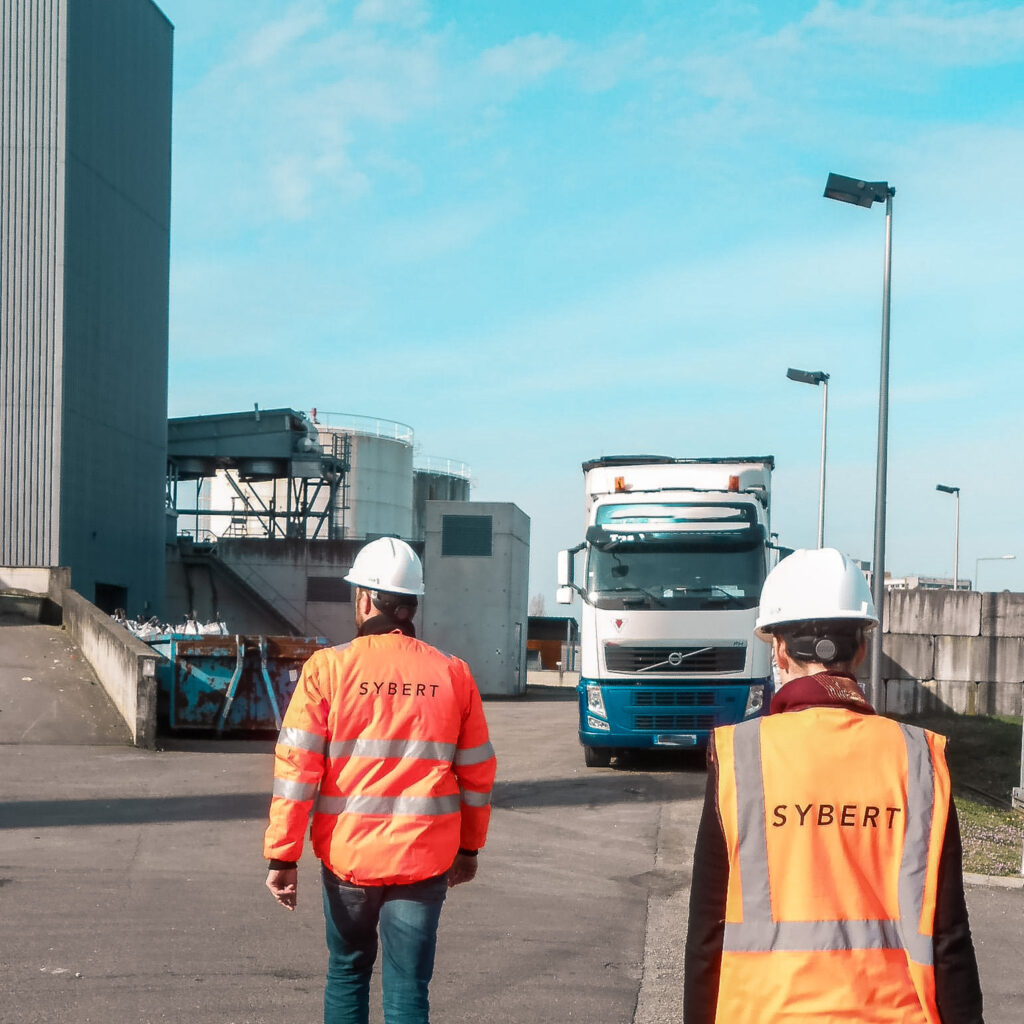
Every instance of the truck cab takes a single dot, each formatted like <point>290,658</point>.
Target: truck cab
<point>674,556</point>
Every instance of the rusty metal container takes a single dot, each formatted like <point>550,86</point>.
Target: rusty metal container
<point>228,685</point>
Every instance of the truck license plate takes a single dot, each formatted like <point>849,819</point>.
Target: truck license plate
<point>676,739</point>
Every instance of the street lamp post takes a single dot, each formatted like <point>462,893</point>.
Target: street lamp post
<point>987,558</point>
<point>817,377</point>
<point>867,193</point>
<point>956,531</point>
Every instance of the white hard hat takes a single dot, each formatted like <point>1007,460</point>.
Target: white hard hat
<point>815,585</point>
<point>388,565</point>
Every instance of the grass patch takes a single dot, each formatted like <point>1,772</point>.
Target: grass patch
<point>984,761</point>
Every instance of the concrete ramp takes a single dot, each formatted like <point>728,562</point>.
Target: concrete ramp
<point>49,693</point>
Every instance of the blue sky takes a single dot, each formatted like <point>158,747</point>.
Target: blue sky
<point>544,232</point>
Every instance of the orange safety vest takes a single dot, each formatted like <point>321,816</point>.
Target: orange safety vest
<point>834,823</point>
<point>385,741</point>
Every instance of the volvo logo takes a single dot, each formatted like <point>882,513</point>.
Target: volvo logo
<point>675,659</point>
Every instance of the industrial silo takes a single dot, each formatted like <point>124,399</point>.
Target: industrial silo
<point>436,479</point>
<point>377,495</point>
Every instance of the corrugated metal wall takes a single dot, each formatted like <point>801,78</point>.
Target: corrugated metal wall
<point>86,122</point>
<point>32,112</point>
<point>116,292</point>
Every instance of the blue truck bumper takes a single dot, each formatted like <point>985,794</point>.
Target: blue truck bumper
<point>669,715</point>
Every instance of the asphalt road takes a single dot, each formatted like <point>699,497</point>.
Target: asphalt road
<point>131,882</point>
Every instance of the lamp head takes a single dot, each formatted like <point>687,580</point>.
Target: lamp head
<point>859,193</point>
<point>808,376</point>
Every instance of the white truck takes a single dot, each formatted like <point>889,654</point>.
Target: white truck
<point>675,554</point>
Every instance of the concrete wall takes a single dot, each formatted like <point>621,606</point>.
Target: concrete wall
<point>476,606</point>
<point>286,573</point>
<point>959,651</point>
<point>124,665</point>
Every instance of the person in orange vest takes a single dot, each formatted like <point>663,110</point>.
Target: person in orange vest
<point>385,745</point>
<point>827,879</point>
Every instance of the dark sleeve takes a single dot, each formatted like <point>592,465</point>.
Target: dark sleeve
<point>706,929</point>
<point>957,986</point>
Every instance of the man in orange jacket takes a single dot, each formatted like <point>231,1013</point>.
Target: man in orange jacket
<point>386,744</point>
<point>827,881</point>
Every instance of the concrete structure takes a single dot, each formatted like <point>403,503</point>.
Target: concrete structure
<point>379,492</point>
<point>124,666</point>
<point>271,468</point>
<point>946,650</point>
<point>85,159</point>
<point>264,586</point>
<point>436,479</point>
<point>476,567</point>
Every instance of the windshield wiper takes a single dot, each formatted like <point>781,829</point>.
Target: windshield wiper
<point>715,592</point>
<point>635,589</point>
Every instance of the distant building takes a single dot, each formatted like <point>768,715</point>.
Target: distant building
<point>85,162</point>
<point>550,641</point>
<point>925,583</point>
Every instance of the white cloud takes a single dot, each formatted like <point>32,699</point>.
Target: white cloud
<point>526,59</point>
<point>406,13</point>
<point>939,34</point>
<point>443,231</point>
<point>269,41</point>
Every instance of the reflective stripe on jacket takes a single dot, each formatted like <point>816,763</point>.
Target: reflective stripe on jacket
<point>834,824</point>
<point>385,740</point>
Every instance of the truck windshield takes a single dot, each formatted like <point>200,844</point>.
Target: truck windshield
<point>676,570</point>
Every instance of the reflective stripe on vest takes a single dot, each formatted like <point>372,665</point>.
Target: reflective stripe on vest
<point>419,749</point>
<point>472,799</point>
<point>428,806</point>
<point>300,739</point>
<point>474,755</point>
<point>291,790</point>
<point>758,933</point>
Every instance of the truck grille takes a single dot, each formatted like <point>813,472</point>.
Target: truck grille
<point>673,723</point>
<point>674,661</point>
<point>644,698</point>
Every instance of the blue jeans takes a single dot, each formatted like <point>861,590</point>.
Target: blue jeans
<point>408,916</point>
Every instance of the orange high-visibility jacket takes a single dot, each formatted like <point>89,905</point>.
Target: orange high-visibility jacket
<point>385,741</point>
<point>834,823</point>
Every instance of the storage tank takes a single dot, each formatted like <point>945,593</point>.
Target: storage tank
<point>377,496</point>
<point>436,479</point>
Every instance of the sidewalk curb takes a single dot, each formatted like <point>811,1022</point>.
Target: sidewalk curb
<point>996,881</point>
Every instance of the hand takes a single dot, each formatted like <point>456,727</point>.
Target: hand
<point>283,884</point>
<point>463,869</point>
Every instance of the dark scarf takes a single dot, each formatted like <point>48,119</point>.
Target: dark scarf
<point>825,689</point>
<point>378,624</point>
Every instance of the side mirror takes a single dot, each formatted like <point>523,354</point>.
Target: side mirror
<point>565,573</point>
<point>564,595</point>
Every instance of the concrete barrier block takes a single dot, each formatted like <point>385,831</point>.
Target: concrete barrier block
<point>902,697</point>
<point>933,612</point>
<point>999,698</point>
<point>1002,614</point>
<point>943,696</point>
<point>906,656</point>
<point>979,659</point>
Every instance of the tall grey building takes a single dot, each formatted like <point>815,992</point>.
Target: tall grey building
<point>85,169</point>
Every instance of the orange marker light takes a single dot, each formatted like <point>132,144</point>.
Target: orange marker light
<point>620,483</point>
<point>734,483</point>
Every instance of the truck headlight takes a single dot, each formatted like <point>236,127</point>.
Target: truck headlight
<point>595,702</point>
<point>755,700</point>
